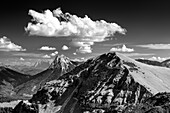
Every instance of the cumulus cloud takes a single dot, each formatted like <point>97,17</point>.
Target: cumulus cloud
<point>22,59</point>
<point>7,45</point>
<point>47,48</point>
<point>65,47</point>
<point>46,56</point>
<point>85,49</point>
<point>74,53</point>
<point>122,49</point>
<point>54,54</point>
<point>160,59</point>
<point>84,30</point>
<point>155,46</point>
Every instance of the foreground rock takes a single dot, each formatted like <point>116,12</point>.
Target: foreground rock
<point>105,84</point>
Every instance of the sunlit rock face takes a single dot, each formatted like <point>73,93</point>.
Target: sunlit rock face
<point>100,85</point>
<point>62,62</point>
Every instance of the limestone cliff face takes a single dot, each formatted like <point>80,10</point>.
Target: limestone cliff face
<point>99,85</point>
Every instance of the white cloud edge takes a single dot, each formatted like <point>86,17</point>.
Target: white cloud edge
<point>65,47</point>
<point>156,58</point>
<point>86,31</point>
<point>54,53</point>
<point>7,45</point>
<point>122,49</point>
<point>137,54</point>
<point>47,48</point>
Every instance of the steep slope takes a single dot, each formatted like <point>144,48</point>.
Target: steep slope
<point>159,103</point>
<point>59,66</point>
<point>10,79</point>
<point>13,77</point>
<point>102,84</point>
<point>108,83</point>
<point>154,78</point>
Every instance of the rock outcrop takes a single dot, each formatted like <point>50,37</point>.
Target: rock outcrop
<point>99,85</point>
<point>6,110</point>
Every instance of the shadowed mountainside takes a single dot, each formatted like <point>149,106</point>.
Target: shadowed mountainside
<point>107,83</point>
<point>58,67</point>
<point>149,62</point>
<point>9,80</point>
<point>32,69</point>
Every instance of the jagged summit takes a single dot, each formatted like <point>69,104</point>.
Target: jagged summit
<point>108,83</point>
<point>61,62</point>
<point>58,67</point>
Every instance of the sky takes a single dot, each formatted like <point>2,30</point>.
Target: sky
<point>84,29</point>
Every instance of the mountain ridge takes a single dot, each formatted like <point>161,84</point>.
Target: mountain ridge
<point>165,63</point>
<point>107,83</point>
<point>9,80</point>
<point>59,66</point>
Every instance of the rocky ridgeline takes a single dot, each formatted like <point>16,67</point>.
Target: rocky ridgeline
<point>58,67</point>
<point>99,85</point>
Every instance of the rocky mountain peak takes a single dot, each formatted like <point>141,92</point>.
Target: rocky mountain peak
<point>100,85</point>
<point>61,62</point>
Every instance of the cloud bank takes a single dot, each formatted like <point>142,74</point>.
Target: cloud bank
<point>137,54</point>
<point>7,45</point>
<point>34,55</point>
<point>84,30</point>
<point>122,49</point>
<point>160,59</point>
<point>155,46</point>
<point>47,48</point>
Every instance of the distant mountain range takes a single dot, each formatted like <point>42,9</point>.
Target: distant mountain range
<point>33,69</point>
<point>15,85</point>
<point>165,63</point>
<point>58,67</point>
<point>108,83</point>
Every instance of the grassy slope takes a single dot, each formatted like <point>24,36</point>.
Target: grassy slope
<point>155,78</point>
